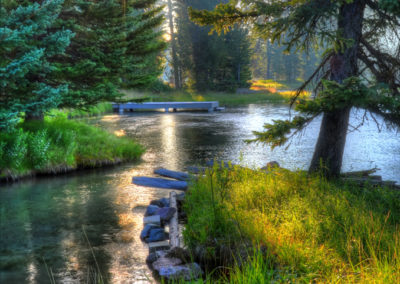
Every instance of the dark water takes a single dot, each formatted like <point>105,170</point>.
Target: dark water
<point>85,227</point>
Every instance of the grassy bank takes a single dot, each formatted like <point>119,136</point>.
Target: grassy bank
<point>58,145</point>
<point>98,109</point>
<point>225,99</point>
<point>306,229</point>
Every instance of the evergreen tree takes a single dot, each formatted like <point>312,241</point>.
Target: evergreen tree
<point>210,62</point>
<point>29,45</point>
<point>117,44</point>
<point>354,40</point>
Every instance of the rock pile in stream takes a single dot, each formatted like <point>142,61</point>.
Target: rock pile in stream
<point>165,257</point>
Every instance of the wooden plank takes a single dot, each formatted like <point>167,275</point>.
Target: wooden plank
<point>363,173</point>
<point>172,174</point>
<point>160,183</point>
<point>173,223</point>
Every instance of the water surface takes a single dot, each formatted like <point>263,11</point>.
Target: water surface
<point>85,226</point>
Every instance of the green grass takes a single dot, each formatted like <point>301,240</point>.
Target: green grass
<point>225,99</point>
<point>98,109</point>
<point>303,229</point>
<point>58,144</point>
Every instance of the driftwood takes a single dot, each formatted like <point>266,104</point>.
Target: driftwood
<point>173,223</point>
<point>363,173</point>
<point>172,174</point>
<point>160,183</point>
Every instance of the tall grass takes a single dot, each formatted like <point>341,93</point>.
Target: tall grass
<point>306,229</point>
<point>58,144</point>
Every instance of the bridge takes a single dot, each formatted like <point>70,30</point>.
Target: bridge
<point>209,106</point>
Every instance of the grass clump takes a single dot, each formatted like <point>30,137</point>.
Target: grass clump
<point>58,144</point>
<point>304,229</point>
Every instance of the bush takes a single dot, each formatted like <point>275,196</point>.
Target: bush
<point>15,149</point>
<point>38,149</point>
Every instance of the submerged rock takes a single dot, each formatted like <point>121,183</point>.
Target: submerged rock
<point>165,262</point>
<point>166,213</point>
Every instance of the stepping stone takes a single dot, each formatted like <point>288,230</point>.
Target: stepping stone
<point>172,174</point>
<point>163,202</point>
<point>155,219</point>
<point>166,213</point>
<point>160,183</point>
<point>146,231</point>
<point>157,235</point>
<point>151,210</point>
<point>157,246</point>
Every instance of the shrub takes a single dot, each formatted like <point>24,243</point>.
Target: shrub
<point>15,150</point>
<point>38,149</point>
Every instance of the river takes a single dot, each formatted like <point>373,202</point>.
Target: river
<point>85,226</point>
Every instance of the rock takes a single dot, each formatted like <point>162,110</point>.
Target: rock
<point>151,210</point>
<point>165,262</point>
<point>271,165</point>
<point>157,246</point>
<point>166,213</point>
<point>157,235</point>
<point>180,197</point>
<point>155,219</point>
<point>180,253</point>
<point>153,256</point>
<point>146,230</point>
<point>163,202</point>
<point>187,272</point>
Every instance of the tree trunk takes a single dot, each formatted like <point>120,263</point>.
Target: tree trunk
<point>34,116</point>
<point>177,82</point>
<point>268,60</point>
<point>328,154</point>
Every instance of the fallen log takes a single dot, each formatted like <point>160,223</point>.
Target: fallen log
<point>160,183</point>
<point>172,174</point>
<point>363,173</point>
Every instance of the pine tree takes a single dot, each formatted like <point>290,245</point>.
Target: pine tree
<point>353,41</point>
<point>117,45</point>
<point>210,62</point>
<point>29,45</point>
